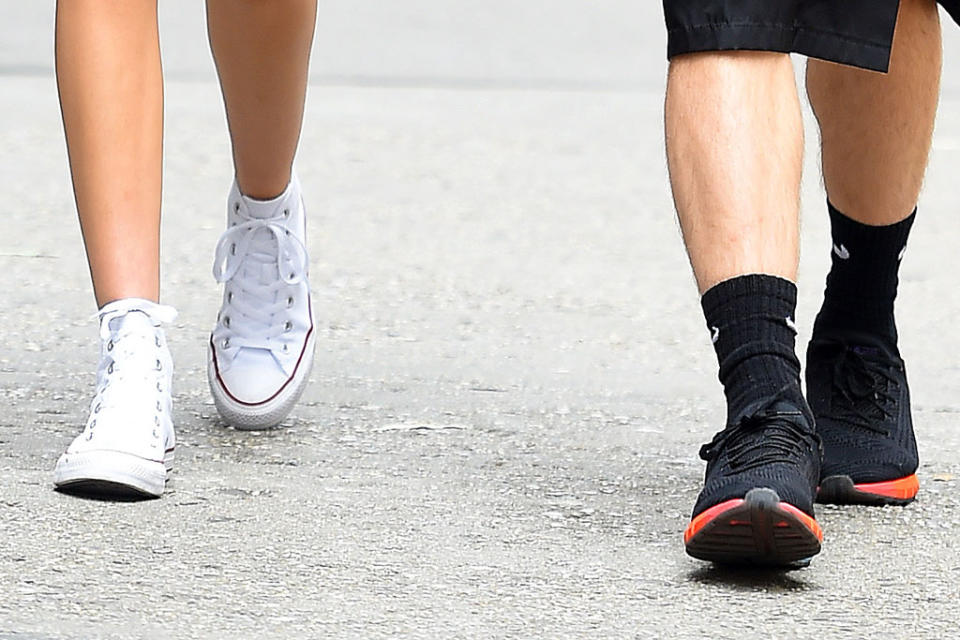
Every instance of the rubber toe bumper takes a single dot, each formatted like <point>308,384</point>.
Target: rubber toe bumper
<point>842,490</point>
<point>758,529</point>
<point>112,474</point>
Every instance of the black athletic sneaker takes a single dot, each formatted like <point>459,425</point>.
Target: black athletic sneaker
<point>756,506</point>
<point>857,388</point>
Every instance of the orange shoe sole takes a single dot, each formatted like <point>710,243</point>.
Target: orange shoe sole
<point>842,490</point>
<point>758,529</point>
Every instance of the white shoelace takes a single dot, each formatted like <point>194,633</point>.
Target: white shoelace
<point>132,372</point>
<point>264,242</point>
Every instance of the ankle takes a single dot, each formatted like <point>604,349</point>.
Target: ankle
<point>864,276</point>
<point>265,187</point>
<point>751,320</point>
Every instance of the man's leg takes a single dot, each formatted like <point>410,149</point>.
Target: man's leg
<point>111,94</point>
<point>734,147</point>
<point>261,350</point>
<point>876,128</point>
<point>876,131</point>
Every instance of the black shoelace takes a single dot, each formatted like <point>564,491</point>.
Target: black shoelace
<point>864,388</point>
<point>766,435</point>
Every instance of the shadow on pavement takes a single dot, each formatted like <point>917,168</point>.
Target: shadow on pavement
<point>104,492</point>
<point>751,578</point>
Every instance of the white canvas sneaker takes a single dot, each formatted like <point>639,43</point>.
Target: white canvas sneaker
<point>128,442</point>
<point>261,349</point>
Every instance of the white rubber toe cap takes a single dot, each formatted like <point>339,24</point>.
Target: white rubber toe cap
<point>254,377</point>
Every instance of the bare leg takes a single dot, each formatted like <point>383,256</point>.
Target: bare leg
<point>734,148</point>
<point>262,52</point>
<point>876,129</point>
<point>111,94</point>
<point>261,349</point>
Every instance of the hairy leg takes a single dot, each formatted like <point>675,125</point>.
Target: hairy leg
<point>876,128</point>
<point>111,95</point>
<point>734,148</point>
<point>262,53</point>
<point>875,133</point>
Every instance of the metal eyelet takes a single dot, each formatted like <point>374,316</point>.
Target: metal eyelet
<point>110,368</point>
<point>226,343</point>
<point>292,275</point>
<point>226,321</point>
<point>289,302</point>
<point>287,326</point>
<point>110,346</point>
<point>233,249</point>
<point>97,408</point>
<point>155,434</point>
<point>90,435</point>
<point>229,296</point>
<point>157,340</point>
<point>159,365</point>
<point>286,213</point>
<point>236,207</point>
<point>284,349</point>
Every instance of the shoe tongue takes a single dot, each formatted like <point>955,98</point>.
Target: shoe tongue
<point>136,321</point>
<point>260,267</point>
<point>268,273</point>
<point>265,209</point>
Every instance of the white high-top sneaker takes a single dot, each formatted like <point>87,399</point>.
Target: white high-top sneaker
<point>261,349</point>
<point>127,444</point>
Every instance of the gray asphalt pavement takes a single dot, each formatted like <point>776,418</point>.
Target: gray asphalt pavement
<point>512,379</point>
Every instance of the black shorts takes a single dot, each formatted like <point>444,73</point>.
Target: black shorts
<point>854,32</point>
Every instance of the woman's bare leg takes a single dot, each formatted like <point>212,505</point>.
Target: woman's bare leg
<point>262,52</point>
<point>261,349</point>
<point>111,94</point>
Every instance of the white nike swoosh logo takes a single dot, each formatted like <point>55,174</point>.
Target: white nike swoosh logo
<point>791,324</point>
<point>841,252</point>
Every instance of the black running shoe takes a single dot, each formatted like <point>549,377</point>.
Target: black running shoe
<point>857,388</point>
<point>756,506</point>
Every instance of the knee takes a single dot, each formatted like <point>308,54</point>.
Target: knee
<point>731,57</point>
<point>758,64</point>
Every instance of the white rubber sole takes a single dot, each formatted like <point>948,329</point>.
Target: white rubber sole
<point>112,473</point>
<point>264,415</point>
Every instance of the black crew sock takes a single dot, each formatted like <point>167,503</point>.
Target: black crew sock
<point>863,278</point>
<point>751,323</point>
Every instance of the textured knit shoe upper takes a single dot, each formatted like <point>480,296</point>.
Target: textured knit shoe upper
<point>260,342</point>
<point>857,389</point>
<point>771,445</point>
<point>131,409</point>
